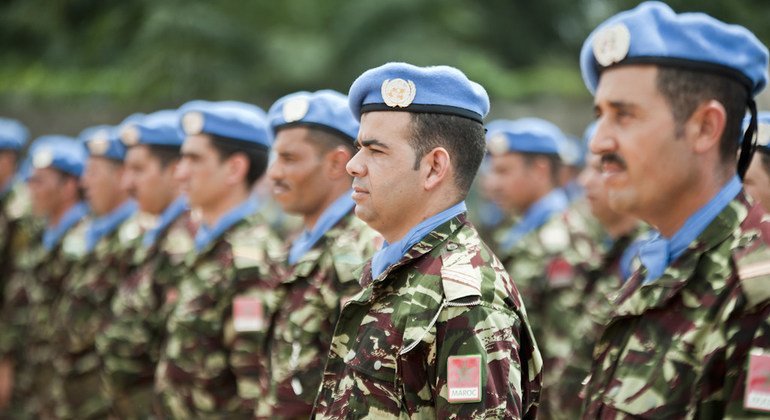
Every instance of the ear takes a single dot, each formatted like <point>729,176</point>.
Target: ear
<point>706,125</point>
<point>237,166</point>
<point>437,166</point>
<point>336,161</point>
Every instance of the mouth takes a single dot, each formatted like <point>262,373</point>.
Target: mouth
<point>359,193</point>
<point>279,189</point>
<point>612,166</point>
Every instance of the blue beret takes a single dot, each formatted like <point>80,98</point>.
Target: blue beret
<point>763,130</point>
<point>431,90</point>
<point>13,134</point>
<point>60,152</point>
<point>229,119</point>
<point>525,135</point>
<point>652,33</point>
<point>326,109</point>
<point>103,141</point>
<point>574,152</point>
<point>160,128</point>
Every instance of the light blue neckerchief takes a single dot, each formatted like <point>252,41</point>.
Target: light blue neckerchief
<point>537,214</point>
<point>336,211</point>
<point>52,235</point>
<point>574,191</point>
<point>206,234</point>
<point>168,216</point>
<point>103,226</point>
<point>391,253</point>
<point>659,252</point>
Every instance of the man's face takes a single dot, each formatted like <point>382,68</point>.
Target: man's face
<point>46,191</point>
<point>201,173</point>
<point>646,168</point>
<point>757,181</point>
<point>300,184</point>
<point>102,181</point>
<point>509,183</point>
<point>7,166</point>
<point>386,186</point>
<point>148,182</point>
<point>596,192</point>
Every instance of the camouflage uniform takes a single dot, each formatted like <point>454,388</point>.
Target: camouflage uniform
<point>130,344</point>
<point>674,347</point>
<point>448,296</point>
<point>82,314</point>
<point>207,367</point>
<point>544,263</point>
<point>18,229</point>
<point>302,328</point>
<point>30,337</point>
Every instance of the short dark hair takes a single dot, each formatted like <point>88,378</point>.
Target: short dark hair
<point>685,90</point>
<point>166,155</point>
<point>328,140</point>
<point>554,164</point>
<point>257,155</point>
<point>461,137</point>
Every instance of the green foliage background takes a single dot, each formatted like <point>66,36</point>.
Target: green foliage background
<point>71,63</point>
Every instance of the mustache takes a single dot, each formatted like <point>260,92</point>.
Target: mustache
<point>613,158</point>
<point>280,184</point>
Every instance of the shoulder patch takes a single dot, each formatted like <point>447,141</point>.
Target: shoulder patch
<point>754,275</point>
<point>460,278</point>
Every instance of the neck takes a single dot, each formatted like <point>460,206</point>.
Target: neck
<point>310,219</point>
<point>55,217</point>
<point>621,226</point>
<point>213,212</point>
<point>413,218</point>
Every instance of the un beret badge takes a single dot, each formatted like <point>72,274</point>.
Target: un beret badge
<point>295,109</point>
<point>43,158</point>
<point>99,143</point>
<point>398,92</point>
<point>192,123</point>
<point>498,144</point>
<point>611,44</point>
<point>130,136</point>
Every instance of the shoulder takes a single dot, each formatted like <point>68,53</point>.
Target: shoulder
<point>253,242</point>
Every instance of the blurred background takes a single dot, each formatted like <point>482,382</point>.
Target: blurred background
<point>68,64</point>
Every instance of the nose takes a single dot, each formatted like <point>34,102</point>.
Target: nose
<point>182,171</point>
<point>602,141</point>
<point>275,171</point>
<point>355,166</point>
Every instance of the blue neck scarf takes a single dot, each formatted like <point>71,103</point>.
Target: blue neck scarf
<point>391,253</point>
<point>574,191</point>
<point>659,252</point>
<point>103,226</point>
<point>176,208</point>
<point>52,235</point>
<point>333,214</point>
<point>540,212</point>
<point>206,234</point>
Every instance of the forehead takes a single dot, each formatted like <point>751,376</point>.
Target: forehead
<point>385,126</point>
<point>291,138</point>
<point>199,144</point>
<point>102,163</point>
<point>627,83</point>
<point>508,160</point>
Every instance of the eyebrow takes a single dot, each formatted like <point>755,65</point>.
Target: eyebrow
<point>373,142</point>
<point>617,105</point>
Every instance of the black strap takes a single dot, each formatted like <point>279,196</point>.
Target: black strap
<point>749,142</point>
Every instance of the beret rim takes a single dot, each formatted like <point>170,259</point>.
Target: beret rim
<point>425,109</point>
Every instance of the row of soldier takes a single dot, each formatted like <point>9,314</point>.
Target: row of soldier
<point>132,305</point>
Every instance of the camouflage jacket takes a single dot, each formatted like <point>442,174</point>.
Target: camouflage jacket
<point>19,231</point>
<point>130,344</point>
<point>673,347</point>
<point>212,363</point>
<point>303,326</point>
<point>84,309</point>
<point>441,334</point>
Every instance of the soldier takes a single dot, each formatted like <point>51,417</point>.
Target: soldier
<point>216,330</point>
<point>130,344</point>
<point>28,338</point>
<point>439,329</point>
<point>670,92</point>
<point>757,179</point>
<point>315,134</point>
<point>539,251</point>
<point>84,309</point>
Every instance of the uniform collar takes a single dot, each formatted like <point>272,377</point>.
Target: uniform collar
<point>103,226</point>
<point>329,218</point>
<point>391,253</point>
<point>538,213</point>
<point>52,235</point>
<point>207,234</point>
<point>171,213</point>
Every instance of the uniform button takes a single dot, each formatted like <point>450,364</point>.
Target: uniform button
<point>377,365</point>
<point>348,357</point>
<point>451,247</point>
